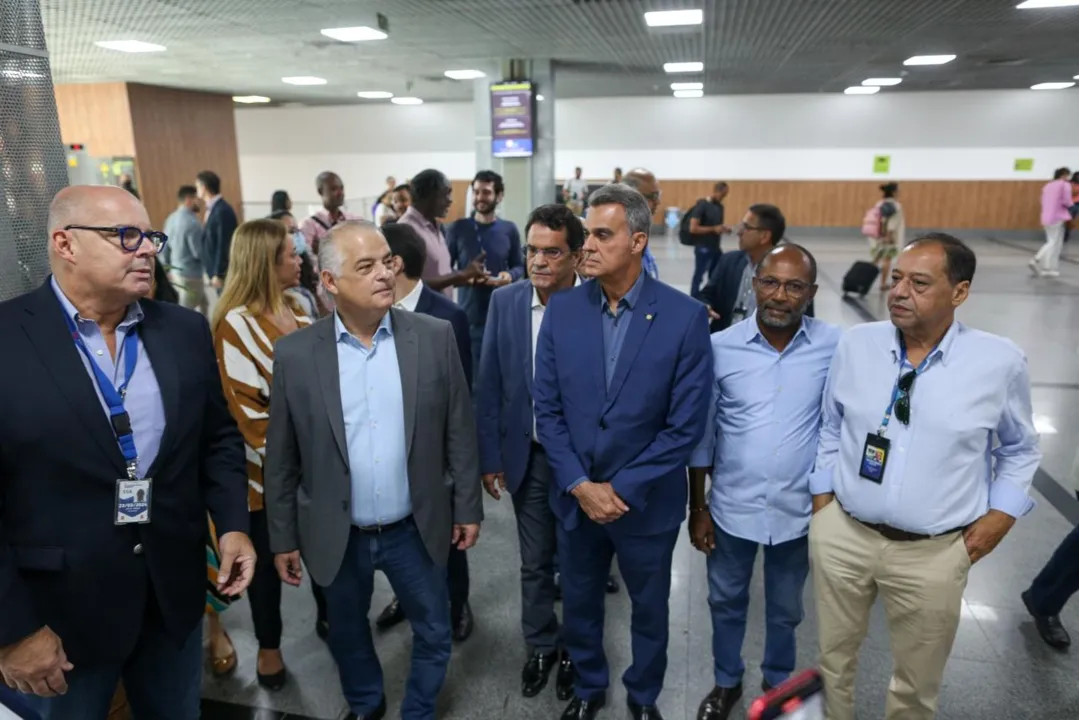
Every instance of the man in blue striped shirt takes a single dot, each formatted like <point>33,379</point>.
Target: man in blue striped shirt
<point>926,457</point>
<point>759,448</point>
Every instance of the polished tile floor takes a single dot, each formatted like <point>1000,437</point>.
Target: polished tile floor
<point>999,670</point>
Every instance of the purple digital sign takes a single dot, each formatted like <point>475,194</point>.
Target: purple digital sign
<point>511,119</point>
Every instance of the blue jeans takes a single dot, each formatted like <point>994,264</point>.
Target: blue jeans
<point>704,259</point>
<point>162,681</point>
<point>730,569</point>
<point>420,586</point>
<point>1059,579</point>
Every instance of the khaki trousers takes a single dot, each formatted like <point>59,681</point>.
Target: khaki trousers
<point>921,583</point>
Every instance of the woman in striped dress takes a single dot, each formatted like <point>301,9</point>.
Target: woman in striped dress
<point>251,314</point>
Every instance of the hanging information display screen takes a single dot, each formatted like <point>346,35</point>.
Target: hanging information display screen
<point>511,119</point>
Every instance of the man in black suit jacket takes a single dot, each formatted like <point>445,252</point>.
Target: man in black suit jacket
<point>96,586</point>
<point>217,232</point>
<point>412,294</point>
<point>729,292</point>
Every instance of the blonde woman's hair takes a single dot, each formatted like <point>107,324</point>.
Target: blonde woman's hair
<point>252,282</point>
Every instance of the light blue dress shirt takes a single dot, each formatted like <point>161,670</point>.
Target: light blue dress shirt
<point>143,401</point>
<point>765,421</point>
<point>970,446</point>
<point>373,406</point>
<point>616,325</point>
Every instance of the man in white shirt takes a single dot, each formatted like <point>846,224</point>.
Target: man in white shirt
<point>575,193</point>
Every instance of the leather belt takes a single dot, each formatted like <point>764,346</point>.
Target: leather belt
<point>379,529</point>
<point>897,535</point>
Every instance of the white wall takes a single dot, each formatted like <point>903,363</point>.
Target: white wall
<point>930,136</point>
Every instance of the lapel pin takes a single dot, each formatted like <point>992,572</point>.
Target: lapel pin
<point>648,317</point>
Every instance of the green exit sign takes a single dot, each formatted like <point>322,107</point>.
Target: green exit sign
<point>882,164</point>
<point>1024,164</point>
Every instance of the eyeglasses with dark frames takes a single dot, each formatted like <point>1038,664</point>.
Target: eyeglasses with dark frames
<point>131,238</point>
<point>794,288</point>
<point>902,402</point>
<point>551,253</point>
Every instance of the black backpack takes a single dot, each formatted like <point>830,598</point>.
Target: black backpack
<point>684,235</point>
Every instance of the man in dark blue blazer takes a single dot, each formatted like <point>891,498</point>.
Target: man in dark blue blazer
<point>623,365</point>
<point>511,457</point>
<point>116,443</point>
<point>217,231</point>
<point>729,292</point>
<point>412,294</point>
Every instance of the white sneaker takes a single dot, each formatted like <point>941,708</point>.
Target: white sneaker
<point>1050,273</point>
<point>1034,267</point>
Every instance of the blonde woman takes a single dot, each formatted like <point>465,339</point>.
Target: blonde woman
<point>251,314</point>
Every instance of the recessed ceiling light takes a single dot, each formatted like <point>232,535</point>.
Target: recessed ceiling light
<point>1034,4</point>
<point>304,80</point>
<point>861,90</point>
<point>407,101</point>
<point>1053,86</point>
<point>683,67</point>
<point>929,60</point>
<point>688,93</point>
<point>354,34</point>
<point>465,74</point>
<point>374,94</point>
<point>540,98</point>
<point>670,18</point>
<point>882,82</point>
<point>130,46</point>
<point>250,99</point>
<point>687,86</point>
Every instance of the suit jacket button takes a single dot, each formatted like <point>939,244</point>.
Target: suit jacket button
<point>138,549</point>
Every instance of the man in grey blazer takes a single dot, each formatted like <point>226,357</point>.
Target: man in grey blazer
<point>371,464</point>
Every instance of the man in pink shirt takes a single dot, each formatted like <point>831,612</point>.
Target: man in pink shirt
<point>1056,214</point>
<point>332,191</point>
<point>432,196</point>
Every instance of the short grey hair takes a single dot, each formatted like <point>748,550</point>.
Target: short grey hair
<point>329,254</point>
<point>638,216</point>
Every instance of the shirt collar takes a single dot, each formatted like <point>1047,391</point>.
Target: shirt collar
<point>630,298</point>
<point>211,202</point>
<point>414,215</point>
<point>942,351</point>
<point>134,310</point>
<point>410,301</point>
<point>385,328</point>
<point>535,293</point>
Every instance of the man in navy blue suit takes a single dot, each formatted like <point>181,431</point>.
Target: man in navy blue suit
<point>511,457</point>
<point>623,366</point>
<point>219,226</point>
<point>412,294</point>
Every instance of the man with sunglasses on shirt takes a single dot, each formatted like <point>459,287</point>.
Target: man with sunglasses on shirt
<point>926,457</point>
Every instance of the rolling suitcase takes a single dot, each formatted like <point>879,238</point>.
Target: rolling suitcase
<point>860,278</point>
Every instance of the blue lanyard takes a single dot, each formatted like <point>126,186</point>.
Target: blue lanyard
<point>114,396</point>
<point>895,388</point>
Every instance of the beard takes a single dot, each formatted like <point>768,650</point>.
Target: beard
<point>781,317</point>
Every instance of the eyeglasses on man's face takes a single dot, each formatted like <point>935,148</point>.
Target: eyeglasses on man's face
<point>794,288</point>
<point>131,238</point>
<point>551,253</point>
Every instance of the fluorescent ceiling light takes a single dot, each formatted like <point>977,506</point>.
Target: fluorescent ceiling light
<point>1035,4</point>
<point>540,98</point>
<point>407,101</point>
<point>1053,86</point>
<point>670,18</point>
<point>354,34</point>
<point>929,60</point>
<point>304,80</point>
<point>250,99</point>
<point>464,74</point>
<point>882,82</point>
<point>687,86</point>
<point>861,90</point>
<point>688,93</point>
<point>374,94</point>
<point>683,67</point>
<point>130,46</point>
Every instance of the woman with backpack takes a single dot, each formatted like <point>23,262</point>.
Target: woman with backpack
<point>885,228</point>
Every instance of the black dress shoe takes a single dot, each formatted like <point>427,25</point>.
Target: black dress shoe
<point>391,615</point>
<point>322,629</point>
<point>566,678</point>
<point>463,624</point>
<point>580,709</point>
<point>1049,626</point>
<point>376,714</point>
<point>612,585</point>
<point>557,586</point>
<point>273,682</point>
<point>536,672</point>
<point>643,712</point>
<point>766,686</point>
<point>717,705</point>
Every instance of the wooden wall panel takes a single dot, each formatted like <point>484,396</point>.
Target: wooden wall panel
<point>986,204</point>
<point>97,116</point>
<point>460,200</point>
<point>177,134</point>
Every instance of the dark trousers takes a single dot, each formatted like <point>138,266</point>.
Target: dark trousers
<point>1059,579</point>
<point>476,336</point>
<point>645,561</point>
<point>264,593</point>
<point>162,680</point>
<point>458,581</point>
<point>420,585</point>
<point>730,569</point>
<point>704,258</point>
<point>537,538</point>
